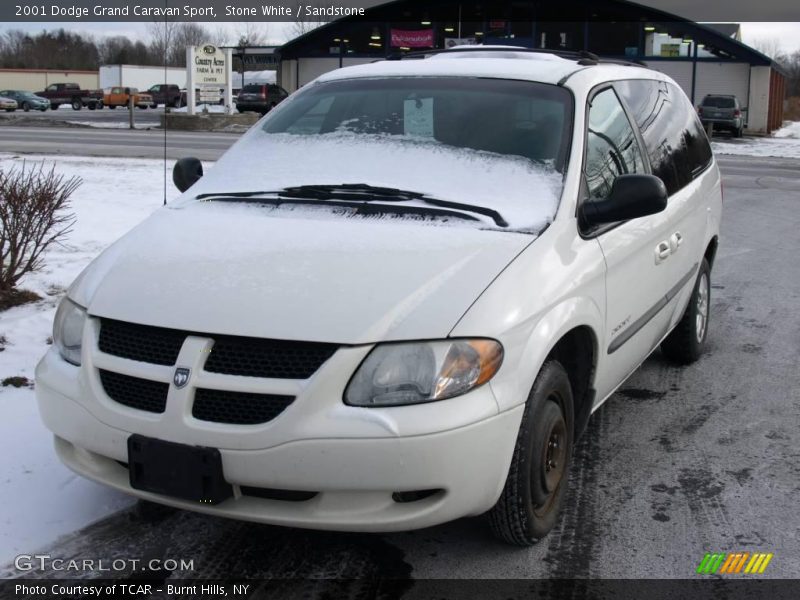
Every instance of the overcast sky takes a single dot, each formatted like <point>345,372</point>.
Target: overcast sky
<point>786,35</point>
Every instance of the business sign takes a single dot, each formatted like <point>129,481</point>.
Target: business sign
<point>402,38</point>
<point>453,42</point>
<point>208,63</point>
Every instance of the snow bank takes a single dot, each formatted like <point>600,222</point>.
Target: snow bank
<point>790,129</point>
<point>43,499</point>
<point>784,147</point>
<point>212,108</point>
<point>267,76</point>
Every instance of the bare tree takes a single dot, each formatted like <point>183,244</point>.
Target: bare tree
<point>768,46</point>
<point>33,216</point>
<point>251,34</point>
<point>162,36</point>
<point>304,23</point>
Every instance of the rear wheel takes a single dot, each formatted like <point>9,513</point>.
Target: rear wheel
<point>531,500</point>
<point>53,106</point>
<point>112,106</point>
<point>685,343</point>
<point>25,106</point>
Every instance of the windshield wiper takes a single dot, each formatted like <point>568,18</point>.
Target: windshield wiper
<point>358,194</point>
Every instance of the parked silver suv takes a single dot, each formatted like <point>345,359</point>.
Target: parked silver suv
<point>724,112</point>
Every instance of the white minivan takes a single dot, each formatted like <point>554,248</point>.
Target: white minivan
<point>397,299</point>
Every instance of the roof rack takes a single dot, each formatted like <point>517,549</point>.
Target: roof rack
<point>582,57</point>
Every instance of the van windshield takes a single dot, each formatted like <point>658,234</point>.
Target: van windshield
<point>506,117</point>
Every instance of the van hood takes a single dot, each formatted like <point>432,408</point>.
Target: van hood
<point>255,270</point>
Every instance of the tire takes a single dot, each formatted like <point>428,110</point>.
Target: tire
<point>10,109</point>
<point>92,106</point>
<point>77,105</point>
<point>141,106</point>
<point>176,103</point>
<point>529,505</point>
<point>154,106</point>
<point>54,106</point>
<point>112,106</point>
<point>738,133</point>
<point>25,106</point>
<point>43,109</point>
<point>684,345</point>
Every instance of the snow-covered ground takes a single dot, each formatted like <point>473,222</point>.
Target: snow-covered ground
<point>41,498</point>
<point>784,143</point>
<point>109,124</point>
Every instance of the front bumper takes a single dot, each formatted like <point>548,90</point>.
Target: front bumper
<point>354,459</point>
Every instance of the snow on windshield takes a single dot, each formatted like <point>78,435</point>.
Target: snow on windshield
<point>524,192</point>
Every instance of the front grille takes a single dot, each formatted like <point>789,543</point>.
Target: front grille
<point>239,408</point>
<point>142,394</point>
<point>230,355</point>
<point>145,343</point>
<point>256,357</point>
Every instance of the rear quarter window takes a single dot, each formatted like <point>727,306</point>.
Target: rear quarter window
<point>675,141</point>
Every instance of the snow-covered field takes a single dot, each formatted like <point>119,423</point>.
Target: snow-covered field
<point>784,143</point>
<point>41,498</point>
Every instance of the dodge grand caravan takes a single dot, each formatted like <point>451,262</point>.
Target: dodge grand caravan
<point>409,311</point>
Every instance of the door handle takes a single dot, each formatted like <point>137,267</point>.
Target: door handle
<point>662,252</point>
<point>675,240</point>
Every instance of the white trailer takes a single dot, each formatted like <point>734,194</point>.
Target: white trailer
<point>141,77</point>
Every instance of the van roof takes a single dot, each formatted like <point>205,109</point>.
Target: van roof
<point>502,62</point>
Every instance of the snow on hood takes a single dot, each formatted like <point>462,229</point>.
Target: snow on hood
<point>526,194</point>
<point>241,269</point>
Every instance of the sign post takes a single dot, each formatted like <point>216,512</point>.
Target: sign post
<point>190,79</point>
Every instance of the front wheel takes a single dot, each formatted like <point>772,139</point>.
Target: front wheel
<point>77,105</point>
<point>685,343</point>
<point>531,500</point>
<point>25,106</point>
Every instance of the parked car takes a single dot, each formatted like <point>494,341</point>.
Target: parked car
<point>166,94</point>
<point>260,97</point>
<point>434,272</point>
<point>72,94</point>
<point>724,112</point>
<point>7,104</point>
<point>27,100</point>
<point>120,96</point>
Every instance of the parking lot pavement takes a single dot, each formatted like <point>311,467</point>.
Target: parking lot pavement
<point>679,462</point>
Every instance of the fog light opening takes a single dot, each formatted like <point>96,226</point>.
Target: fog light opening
<point>415,495</point>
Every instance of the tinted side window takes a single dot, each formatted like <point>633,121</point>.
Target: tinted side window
<point>674,138</point>
<point>611,146</point>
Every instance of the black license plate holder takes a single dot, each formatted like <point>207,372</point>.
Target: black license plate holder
<point>188,472</point>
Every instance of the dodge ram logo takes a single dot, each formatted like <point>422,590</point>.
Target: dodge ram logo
<point>181,377</point>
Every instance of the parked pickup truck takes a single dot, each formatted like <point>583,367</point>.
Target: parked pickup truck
<point>120,96</point>
<point>72,94</point>
<point>167,94</point>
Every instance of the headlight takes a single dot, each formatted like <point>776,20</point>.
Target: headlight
<point>416,372</point>
<point>68,330</point>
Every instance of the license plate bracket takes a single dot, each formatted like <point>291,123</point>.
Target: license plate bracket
<point>188,472</point>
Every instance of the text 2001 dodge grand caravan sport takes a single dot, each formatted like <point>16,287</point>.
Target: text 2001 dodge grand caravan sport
<point>397,299</point>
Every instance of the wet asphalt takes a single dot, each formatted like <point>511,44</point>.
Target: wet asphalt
<point>679,462</point>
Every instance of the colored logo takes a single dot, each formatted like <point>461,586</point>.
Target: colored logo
<point>734,563</point>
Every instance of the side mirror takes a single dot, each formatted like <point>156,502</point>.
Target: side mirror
<point>631,197</point>
<point>186,172</point>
